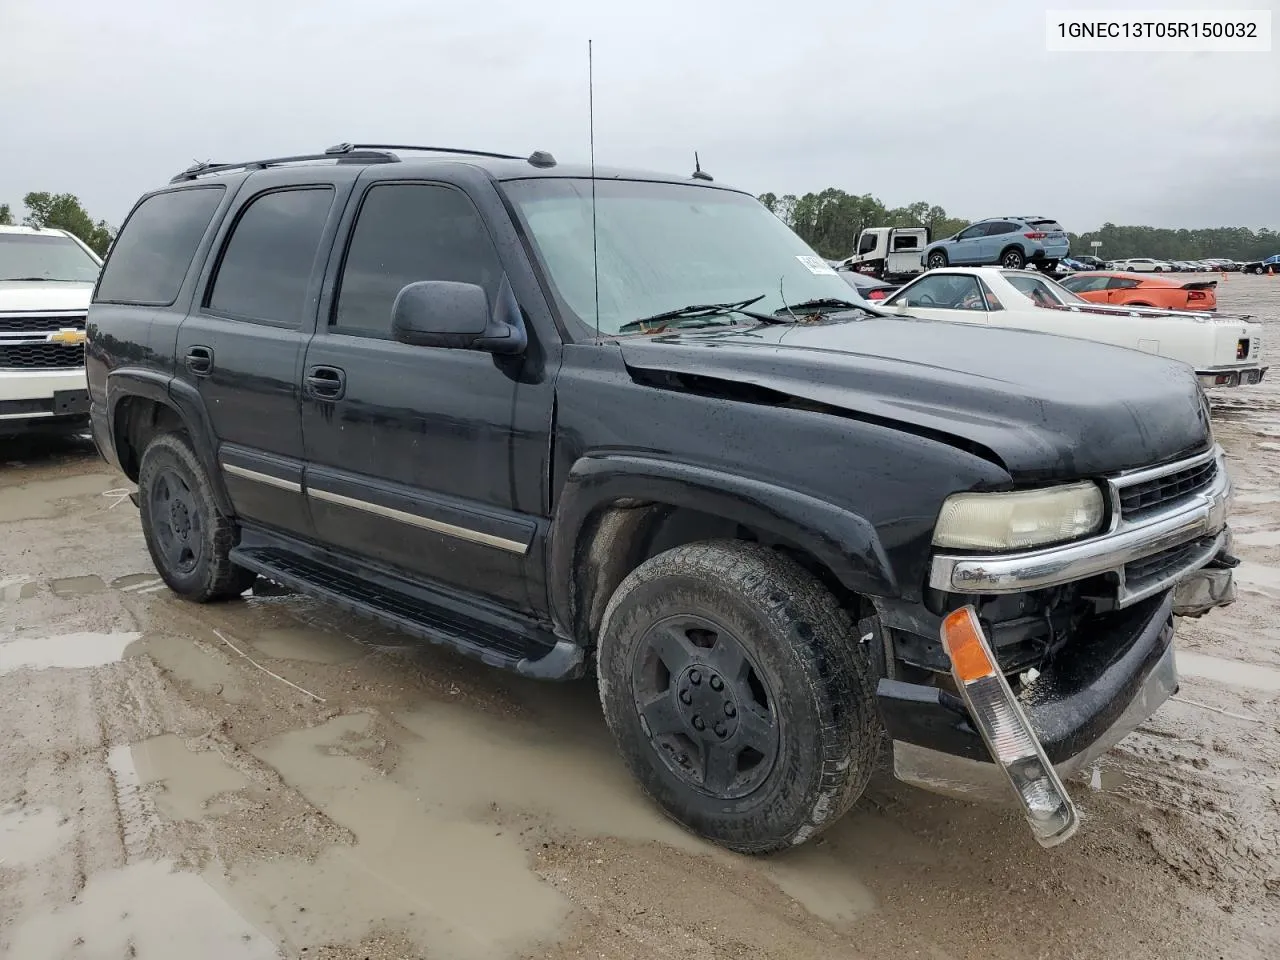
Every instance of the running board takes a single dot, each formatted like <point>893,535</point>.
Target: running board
<point>389,600</point>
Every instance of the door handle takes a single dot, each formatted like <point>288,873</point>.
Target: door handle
<point>199,360</point>
<point>326,383</point>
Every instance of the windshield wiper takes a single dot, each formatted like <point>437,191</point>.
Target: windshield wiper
<point>821,303</point>
<point>700,311</point>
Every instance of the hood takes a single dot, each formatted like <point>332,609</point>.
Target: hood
<point>34,295</point>
<point>1043,407</point>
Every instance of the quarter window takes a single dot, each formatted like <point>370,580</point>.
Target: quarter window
<point>151,256</point>
<point>267,264</point>
<point>407,232</point>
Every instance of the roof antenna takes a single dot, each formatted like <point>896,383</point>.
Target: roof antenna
<point>591,133</point>
<point>698,172</point>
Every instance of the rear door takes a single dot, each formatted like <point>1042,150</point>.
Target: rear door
<point>241,345</point>
<point>998,235</point>
<point>423,460</point>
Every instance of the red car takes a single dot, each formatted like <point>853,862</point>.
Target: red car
<point>1143,290</point>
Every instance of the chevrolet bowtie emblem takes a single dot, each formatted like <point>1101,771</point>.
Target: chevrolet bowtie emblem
<point>68,338</point>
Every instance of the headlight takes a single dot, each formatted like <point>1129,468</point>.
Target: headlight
<point>1018,520</point>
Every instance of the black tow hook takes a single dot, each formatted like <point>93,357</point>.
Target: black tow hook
<point>1223,561</point>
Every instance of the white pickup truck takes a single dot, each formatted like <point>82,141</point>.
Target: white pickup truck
<point>894,254</point>
<point>46,279</point>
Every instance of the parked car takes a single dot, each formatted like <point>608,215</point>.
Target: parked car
<point>1012,242</point>
<point>1269,265</point>
<point>1089,262</point>
<point>866,286</point>
<point>1140,265</point>
<point>1223,350</point>
<point>46,276</point>
<point>487,400</point>
<point>1143,290</point>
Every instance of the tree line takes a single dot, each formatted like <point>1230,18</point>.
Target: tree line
<point>62,211</point>
<point>831,220</point>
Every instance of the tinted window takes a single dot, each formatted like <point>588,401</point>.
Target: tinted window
<point>1121,283</point>
<point>1000,227</point>
<point>407,232</point>
<point>1077,284</point>
<point>946,291</point>
<point>907,241</point>
<point>1046,226</point>
<point>867,243</point>
<point>1036,290</point>
<point>971,232</point>
<point>150,258</point>
<point>266,266</point>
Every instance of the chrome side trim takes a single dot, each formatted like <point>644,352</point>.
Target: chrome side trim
<point>1144,474</point>
<point>266,478</point>
<point>426,523</point>
<point>1204,514</point>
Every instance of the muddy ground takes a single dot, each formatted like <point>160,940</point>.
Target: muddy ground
<point>163,795</point>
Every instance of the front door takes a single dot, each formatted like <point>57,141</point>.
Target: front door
<point>967,247</point>
<point>957,297</point>
<point>417,456</point>
<point>242,345</point>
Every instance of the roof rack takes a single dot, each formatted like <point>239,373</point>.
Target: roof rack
<point>539,158</point>
<point>207,168</point>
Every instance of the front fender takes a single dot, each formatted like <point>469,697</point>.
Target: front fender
<point>842,541</point>
<point>185,401</point>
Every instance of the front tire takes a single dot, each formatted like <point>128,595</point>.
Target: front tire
<point>936,260</point>
<point>189,540</point>
<point>739,694</point>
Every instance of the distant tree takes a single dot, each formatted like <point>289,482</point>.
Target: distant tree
<point>830,221</point>
<point>6,216</point>
<point>63,211</point>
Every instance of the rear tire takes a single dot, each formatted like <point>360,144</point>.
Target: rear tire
<point>1013,259</point>
<point>738,694</point>
<point>189,540</point>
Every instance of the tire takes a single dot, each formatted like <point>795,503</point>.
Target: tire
<point>189,540</point>
<point>1159,269</point>
<point>1013,259</point>
<point>797,732</point>
<point>936,260</point>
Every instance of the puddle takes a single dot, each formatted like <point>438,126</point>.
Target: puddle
<point>462,888</point>
<point>194,664</point>
<point>1235,673</point>
<point>146,911</point>
<point>17,588</point>
<point>188,780</point>
<point>75,586</point>
<point>39,501</point>
<point>300,643</point>
<point>1258,578</point>
<point>821,884</point>
<point>29,835</point>
<point>1259,538</point>
<point>69,651</point>
<point>526,767</point>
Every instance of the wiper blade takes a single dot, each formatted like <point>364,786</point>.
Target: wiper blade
<point>698,311</point>
<point>826,303</point>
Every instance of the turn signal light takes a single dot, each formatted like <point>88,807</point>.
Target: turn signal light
<point>1005,729</point>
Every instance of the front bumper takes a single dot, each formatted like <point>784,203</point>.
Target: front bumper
<point>38,399</point>
<point>1080,707</point>
<point>1198,523</point>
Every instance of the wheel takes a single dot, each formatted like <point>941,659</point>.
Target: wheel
<point>1012,259</point>
<point>189,540</point>
<point>1159,269</point>
<point>738,694</point>
<point>936,260</point>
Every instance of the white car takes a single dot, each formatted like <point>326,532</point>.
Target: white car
<point>46,278</point>
<point>1143,265</point>
<point>1223,350</point>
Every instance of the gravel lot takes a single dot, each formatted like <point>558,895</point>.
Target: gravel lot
<point>272,778</point>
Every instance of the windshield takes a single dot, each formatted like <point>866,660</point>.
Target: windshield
<point>662,246</point>
<point>31,256</point>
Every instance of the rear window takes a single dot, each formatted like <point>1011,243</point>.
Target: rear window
<point>150,258</point>
<point>1048,226</point>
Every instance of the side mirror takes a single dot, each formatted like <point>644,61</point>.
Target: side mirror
<point>457,316</point>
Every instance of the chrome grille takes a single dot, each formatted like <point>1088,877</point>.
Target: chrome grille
<point>1143,497</point>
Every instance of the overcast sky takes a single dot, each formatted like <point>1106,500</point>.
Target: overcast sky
<point>955,104</point>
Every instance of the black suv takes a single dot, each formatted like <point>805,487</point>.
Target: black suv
<point>564,420</point>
